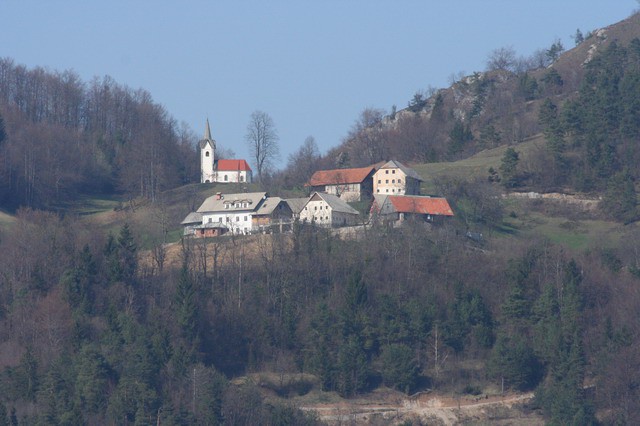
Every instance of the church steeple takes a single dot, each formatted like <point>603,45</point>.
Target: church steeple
<point>208,159</point>
<point>207,131</point>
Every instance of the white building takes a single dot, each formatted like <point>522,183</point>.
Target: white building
<point>394,178</point>
<point>328,210</point>
<point>230,212</point>
<point>220,170</point>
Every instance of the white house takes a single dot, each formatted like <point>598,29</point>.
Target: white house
<point>230,212</point>
<point>394,178</point>
<point>220,170</point>
<point>328,210</point>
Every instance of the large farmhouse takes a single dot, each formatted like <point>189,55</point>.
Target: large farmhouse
<point>328,210</point>
<point>229,213</point>
<point>220,170</point>
<point>397,179</point>
<point>348,184</point>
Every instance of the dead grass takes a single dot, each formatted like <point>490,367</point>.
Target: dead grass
<point>476,166</point>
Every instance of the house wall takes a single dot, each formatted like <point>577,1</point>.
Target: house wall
<point>349,192</point>
<point>233,176</point>
<point>239,222</point>
<point>394,181</point>
<point>322,214</point>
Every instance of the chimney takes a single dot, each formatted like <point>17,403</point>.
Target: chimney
<point>219,196</point>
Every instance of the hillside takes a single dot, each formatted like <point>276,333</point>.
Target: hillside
<point>520,310</point>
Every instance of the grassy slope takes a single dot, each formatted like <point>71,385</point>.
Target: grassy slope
<point>574,234</point>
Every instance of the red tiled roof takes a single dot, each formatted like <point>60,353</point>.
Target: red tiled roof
<point>339,176</point>
<point>421,205</point>
<point>233,165</point>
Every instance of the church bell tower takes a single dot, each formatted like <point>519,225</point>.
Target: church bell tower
<point>207,156</point>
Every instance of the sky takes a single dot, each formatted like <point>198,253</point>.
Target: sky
<point>313,66</point>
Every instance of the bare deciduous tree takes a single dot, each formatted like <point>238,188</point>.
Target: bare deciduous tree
<point>304,162</point>
<point>503,58</point>
<point>262,138</point>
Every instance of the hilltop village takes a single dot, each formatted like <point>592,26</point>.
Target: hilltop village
<point>389,192</point>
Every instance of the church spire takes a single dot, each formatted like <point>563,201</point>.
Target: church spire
<point>207,132</point>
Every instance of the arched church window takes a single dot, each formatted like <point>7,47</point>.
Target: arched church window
<point>206,153</point>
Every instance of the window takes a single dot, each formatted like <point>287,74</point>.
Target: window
<point>241,178</point>
<point>210,220</point>
<point>237,218</point>
<point>226,206</point>
<point>387,189</point>
<point>315,208</point>
<point>246,218</point>
<point>379,180</point>
<point>393,181</point>
<point>320,207</point>
<point>378,190</point>
<point>228,219</point>
<point>386,171</point>
<point>226,178</point>
<point>399,180</point>
<point>386,181</point>
<point>393,171</point>
<point>206,154</point>
<point>393,190</point>
<point>220,220</point>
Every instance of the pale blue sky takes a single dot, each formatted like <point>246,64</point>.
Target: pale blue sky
<point>312,66</point>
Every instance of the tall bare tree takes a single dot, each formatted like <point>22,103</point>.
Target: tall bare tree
<point>262,138</point>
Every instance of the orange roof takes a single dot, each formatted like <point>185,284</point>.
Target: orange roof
<point>339,176</point>
<point>421,205</point>
<point>233,165</point>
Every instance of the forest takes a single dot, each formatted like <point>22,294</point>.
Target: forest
<point>96,328</point>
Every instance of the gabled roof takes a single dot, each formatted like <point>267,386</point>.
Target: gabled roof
<point>340,176</point>
<point>420,205</point>
<point>296,204</point>
<point>193,217</point>
<point>217,203</point>
<point>336,203</point>
<point>393,164</point>
<point>233,165</point>
<point>269,205</point>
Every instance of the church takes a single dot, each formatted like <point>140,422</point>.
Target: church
<point>220,170</point>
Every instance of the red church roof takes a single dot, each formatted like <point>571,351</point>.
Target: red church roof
<point>421,205</point>
<point>339,176</point>
<point>233,165</point>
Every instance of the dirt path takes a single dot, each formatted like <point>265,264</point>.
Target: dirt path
<point>426,407</point>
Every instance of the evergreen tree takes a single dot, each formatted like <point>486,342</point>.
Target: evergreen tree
<point>186,306</point>
<point>508,168</point>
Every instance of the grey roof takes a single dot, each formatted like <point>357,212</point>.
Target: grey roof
<point>394,164</point>
<point>269,205</point>
<point>207,137</point>
<point>296,204</point>
<point>336,203</point>
<point>212,204</point>
<point>383,204</point>
<point>193,217</point>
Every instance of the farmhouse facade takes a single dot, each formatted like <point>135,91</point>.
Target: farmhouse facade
<point>348,184</point>
<point>328,210</point>
<point>396,179</point>
<point>218,170</point>
<point>230,212</point>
